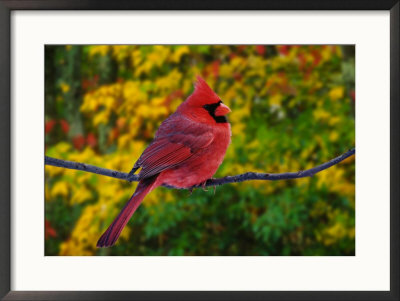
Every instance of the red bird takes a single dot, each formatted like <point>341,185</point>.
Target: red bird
<point>187,150</point>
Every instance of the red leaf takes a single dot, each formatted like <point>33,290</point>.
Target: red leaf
<point>260,49</point>
<point>78,141</point>
<point>85,84</point>
<point>91,140</point>
<point>114,133</point>
<point>215,68</point>
<point>49,230</point>
<point>317,57</point>
<point>302,60</point>
<point>49,126</point>
<point>353,95</point>
<point>64,126</point>
<point>237,76</point>
<point>232,55</point>
<point>283,49</point>
<point>121,122</point>
<point>241,48</point>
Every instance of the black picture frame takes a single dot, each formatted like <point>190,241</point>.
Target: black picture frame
<point>6,7</point>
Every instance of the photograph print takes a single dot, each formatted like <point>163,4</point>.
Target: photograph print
<point>199,150</point>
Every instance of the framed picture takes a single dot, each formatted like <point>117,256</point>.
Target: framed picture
<point>199,151</point>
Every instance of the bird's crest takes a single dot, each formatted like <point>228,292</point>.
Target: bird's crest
<point>203,94</point>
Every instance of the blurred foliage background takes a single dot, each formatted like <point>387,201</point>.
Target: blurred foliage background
<point>293,108</point>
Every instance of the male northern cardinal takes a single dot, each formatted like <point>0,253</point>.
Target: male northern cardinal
<point>187,150</point>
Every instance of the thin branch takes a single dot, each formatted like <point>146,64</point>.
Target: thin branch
<point>211,182</point>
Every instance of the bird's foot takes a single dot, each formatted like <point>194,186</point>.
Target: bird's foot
<point>203,185</point>
<point>214,186</point>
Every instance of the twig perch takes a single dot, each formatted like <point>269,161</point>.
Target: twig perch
<point>211,182</point>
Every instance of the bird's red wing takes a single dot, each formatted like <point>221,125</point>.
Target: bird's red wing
<point>170,151</point>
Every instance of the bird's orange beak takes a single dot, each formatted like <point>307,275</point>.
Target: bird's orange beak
<point>222,110</point>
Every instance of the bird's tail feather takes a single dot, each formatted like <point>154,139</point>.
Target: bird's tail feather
<point>111,235</point>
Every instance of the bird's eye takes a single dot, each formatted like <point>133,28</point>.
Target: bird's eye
<point>212,106</point>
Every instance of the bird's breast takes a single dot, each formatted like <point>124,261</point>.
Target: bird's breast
<point>202,165</point>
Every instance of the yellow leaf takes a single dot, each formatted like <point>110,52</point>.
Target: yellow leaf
<point>179,52</point>
<point>333,136</point>
<point>275,100</point>
<point>60,188</point>
<point>336,93</point>
<point>64,87</point>
<point>99,49</point>
<point>320,114</point>
<point>81,196</point>
<point>101,117</point>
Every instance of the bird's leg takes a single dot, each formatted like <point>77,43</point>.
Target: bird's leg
<point>203,185</point>
<point>190,191</point>
<point>214,186</point>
